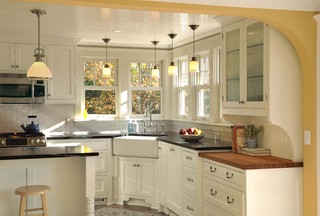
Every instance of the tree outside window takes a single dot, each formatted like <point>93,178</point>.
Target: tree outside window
<point>203,86</point>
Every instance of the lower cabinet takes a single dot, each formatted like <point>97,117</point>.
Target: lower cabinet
<point>137,179</point>
<point>229,191</point>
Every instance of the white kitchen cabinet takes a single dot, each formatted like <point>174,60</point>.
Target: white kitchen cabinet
<point>171,177</point>
<point>16,57</point>
<point>103,165</point>
<point>244,67</point>
<point>230,191</point>
<point>137,179</point>
<point>61,62</point>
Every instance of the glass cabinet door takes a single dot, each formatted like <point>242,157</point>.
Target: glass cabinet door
<point>232,40</point>
<point>254,49</point>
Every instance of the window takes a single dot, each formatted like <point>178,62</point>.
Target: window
<point>145,90</point>
<point>183,87</point>
<point>100,92</point>
<point>203,86</point>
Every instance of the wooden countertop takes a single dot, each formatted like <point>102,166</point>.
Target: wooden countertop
<point>249,162</point>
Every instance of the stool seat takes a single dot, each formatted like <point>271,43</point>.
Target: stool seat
<point>32,190</point>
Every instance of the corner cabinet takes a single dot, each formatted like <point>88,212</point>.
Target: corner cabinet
<point>244,68</point>
<point>61,62</point>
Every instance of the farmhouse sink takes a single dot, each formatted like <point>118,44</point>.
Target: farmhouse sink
<point>135,146</point>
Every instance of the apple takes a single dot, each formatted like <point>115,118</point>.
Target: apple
<point>190,130</point>
<point>183,131</point>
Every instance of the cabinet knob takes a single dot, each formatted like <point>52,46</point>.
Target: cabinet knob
<point>138,165</point>
<point>17,66</point>
<point>188,158</point>
<point>171,149</point>
<point>189,179</point>
<point>229,200</point>
<point>189,208</point>
<point>12,66</point>
<point>213,193</point>
<point>241,102</point>
<point>229,175</point>
<point>134,165</point>
<point>213,169</point>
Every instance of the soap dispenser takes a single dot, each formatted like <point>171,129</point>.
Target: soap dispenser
<point>135,126</point>
<point>130,127</point>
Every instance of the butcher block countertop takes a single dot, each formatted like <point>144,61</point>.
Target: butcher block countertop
<point>249,162</point>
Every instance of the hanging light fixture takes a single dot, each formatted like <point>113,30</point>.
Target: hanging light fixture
<point>107,68</point>
<point>155,70</point>
<point>39,70</point>
<point>194,64</point>
<point>172,69</point>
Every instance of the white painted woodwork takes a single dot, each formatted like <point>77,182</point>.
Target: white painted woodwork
<point>16,57</point>
<point>137,179</point>
<point>61,62</point>
<point>69,179</point>
<point>263,192</point>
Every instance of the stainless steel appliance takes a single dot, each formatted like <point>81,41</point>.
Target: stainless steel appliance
<point>17,89</point>
<point>22,140</point>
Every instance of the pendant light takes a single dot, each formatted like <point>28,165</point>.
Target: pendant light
<point>155,71</point>
<point>107,68</point>
<point>194,64</point>
<point>172,69</point>
<point>39,70</point>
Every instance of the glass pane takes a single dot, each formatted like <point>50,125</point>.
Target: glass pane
<point>141,75</point>
<point>93,74</point>
<point>142,98</point>
<point>233,40</point>
<point>135,81</point>
<point>100,101</point>
<point>204,102</point>
<point>255,85</point>
<point>183,102</point>
<point>233,90</point>
<point>204,78</point>
<point>255,62</point>
<point>183,74</point>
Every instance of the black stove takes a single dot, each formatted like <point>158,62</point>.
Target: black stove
<point>22,139</point>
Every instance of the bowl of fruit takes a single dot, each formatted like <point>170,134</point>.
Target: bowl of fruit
<point>191,134</point>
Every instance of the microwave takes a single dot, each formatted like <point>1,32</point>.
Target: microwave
<point>18,89</point>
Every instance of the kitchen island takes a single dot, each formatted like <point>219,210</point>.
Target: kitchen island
<point>69,171</point>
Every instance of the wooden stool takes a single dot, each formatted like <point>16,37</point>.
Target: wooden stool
<point>29,191</point>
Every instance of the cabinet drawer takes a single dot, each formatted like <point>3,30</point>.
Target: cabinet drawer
<point>189,180</point>
<point>189,158</point>
<point>224,173</point>
<point>101,187</point>
<point>223,196</point>
<point>97,146</point>
<point>101,162</point>
<point>190,206</point>
<point>211,210</point>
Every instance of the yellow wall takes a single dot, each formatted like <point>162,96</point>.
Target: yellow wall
<point>299,27</point>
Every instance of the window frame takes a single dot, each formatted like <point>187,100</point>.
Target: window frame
<point>115,88</point>
<point>183,88</point>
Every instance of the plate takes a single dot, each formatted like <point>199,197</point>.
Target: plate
<point>192,138</point>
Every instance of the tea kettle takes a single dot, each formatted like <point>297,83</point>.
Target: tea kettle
<point>31,128</point>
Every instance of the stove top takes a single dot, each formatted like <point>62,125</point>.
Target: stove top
<point>21,139</point>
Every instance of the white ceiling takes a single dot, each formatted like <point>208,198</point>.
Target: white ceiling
<point>138,28</point>
<point>90,24</point>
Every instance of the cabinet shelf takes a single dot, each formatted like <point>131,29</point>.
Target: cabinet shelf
<point>233,51</point>
<point>255,45</point>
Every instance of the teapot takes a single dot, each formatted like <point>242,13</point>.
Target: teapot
<point>31,128</point>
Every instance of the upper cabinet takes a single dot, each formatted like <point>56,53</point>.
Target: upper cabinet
<point>61,62</point>
<point>243,65</point>
<point>16,57</point>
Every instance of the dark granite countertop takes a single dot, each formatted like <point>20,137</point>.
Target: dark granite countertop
<point>204,144</point>
<point>45,152</point>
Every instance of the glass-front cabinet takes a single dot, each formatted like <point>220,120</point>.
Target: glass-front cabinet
<point>244,83</point>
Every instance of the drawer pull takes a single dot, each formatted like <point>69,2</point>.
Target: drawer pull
<point>212,169</point>
<point>171,149</point>
<point>188,158</point>
<point>189,208</point>
<point>213,193</point>
<point>228,175</point>
<point>230,200</point>
<point>189,179</point>
<point>134,165</point>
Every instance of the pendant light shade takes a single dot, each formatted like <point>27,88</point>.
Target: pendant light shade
<point>39,70</point>
<point>155,71</point>
<point>172,69</point>
<point>193,64</point>
<point>106,68</point>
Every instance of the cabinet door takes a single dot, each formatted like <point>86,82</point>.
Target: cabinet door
<point>128,177</point>
<point>174,179</point>
<point>7,61</point>
<point>61,61</point>
<point>101,187</point>
<point>146,179</point>
<point>24,56</point>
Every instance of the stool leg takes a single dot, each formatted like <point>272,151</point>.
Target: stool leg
<point>44,205</point>
<point>23,202</point>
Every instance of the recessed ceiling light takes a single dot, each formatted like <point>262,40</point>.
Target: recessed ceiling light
<point>117,31</point>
